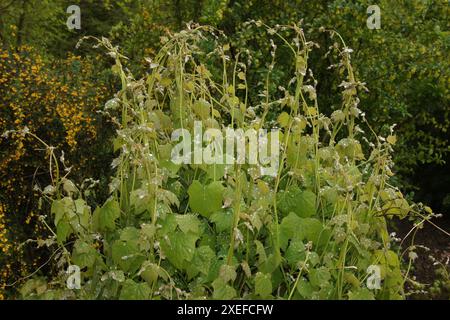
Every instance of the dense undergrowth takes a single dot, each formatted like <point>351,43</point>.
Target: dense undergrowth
<point>185,231</point>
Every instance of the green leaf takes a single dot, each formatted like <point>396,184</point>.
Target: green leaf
<point>295,253</point>
<point>80,221</point>
<point>289,228</point>
<point>134,291</point>
<point>105,217</point>
<point>271,264</point>
<point>287,200</point>
<point>148,231</point>
<point>361,294</point>
<point>202,108</point>
<point>60,208</point>
<point>168,197</point>
<point>130,235</point>
<point>165,158</point>
<point>223,220</point>
<point>350,148</point>
<point>283,119</point>
<point>83,255</point>
<point>179,248</point>
<point>214,171</point>
<point>307,204</point>
<point>140,201</point>
<point>205,199</point>
<point>261,252</point>
<point>169,224</point>
<point>32,286</point>
<point>311,229</point>
<point>63,230</point>
<point>188,223</point>
<point>305,288</point>
<point>117,275</point>
<point>303,203</point>
<point>126,255</point>
<point>263,285</point>
<point>70,216</point>
<point>149,272</point>
<point>388,257</point>
<point>227,273</point>
<point>222,291</point>
<point>319,277</point>
<point>352,279</point>
<point>201,263</point>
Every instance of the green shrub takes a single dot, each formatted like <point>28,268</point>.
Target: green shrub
<point>190,231</point>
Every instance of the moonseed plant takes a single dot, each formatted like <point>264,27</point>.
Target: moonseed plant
<point>316,229</point>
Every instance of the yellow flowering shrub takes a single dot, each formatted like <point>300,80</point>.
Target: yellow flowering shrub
<point>57,100</point>
<point>4,249</point>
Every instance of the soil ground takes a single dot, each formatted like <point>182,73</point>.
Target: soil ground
<point>425,270</point>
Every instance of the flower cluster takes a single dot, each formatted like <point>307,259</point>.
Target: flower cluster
<point>4,249</point>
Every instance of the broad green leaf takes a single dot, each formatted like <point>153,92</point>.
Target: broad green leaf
<point>140,201</point>
<point>311,229</point>
<point>205,199</point>
<point>271,264</point>
<point>261,252</point>
<point>263,285</point>
<point>117,275</point>
<point>319,277</point>
<point>130,235</point>
<point>304,288</point>
<point>149,272</point>
<point>303,203</point>
<point>350,148</point>
<point>306,204</point>
<point>283,119</point>
<point>32,286</point>
<point>295,253</point>
<point>63,230</point>
<point>222,291</point>
<point>84,254</point>
<point>361,294</point>
<point>164,152</point>
<point>201,263</point>
<point>202,109</point>
<point>134,291</point>
<point>169,224</point>
<point>179,248</point>
<point>168,197</point>
<point>223,220</point>
<point>214,171</point>
<point>70,216</point>
<point>80,222</point>
<point>105,217</point>
<point>148,231</point>
<point>60,208</point>
<point>126,255</point>
<point>188,223</point>
<point>388,257</point>
<point>289,228</point>
<point>227,273</point>
<point>352,279</point>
